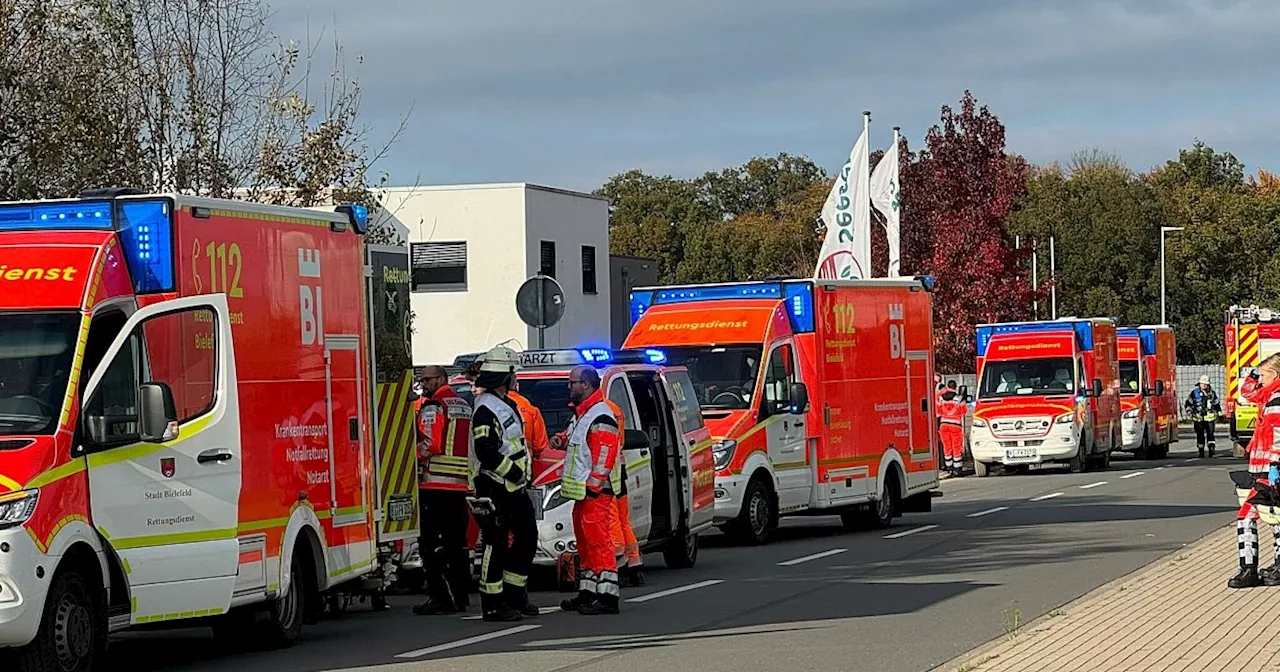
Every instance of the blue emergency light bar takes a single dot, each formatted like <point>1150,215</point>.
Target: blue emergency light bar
<point>798,295</point>
<point>1083,330</point>
<point>1147,341</point>
<point>59,216</point>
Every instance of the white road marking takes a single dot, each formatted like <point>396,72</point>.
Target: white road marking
<point>1093,485</point>
<point>1159,468</point>
<point>675,591</point>
<point>815,556</point>
<point>541,610</point>
<point>1041,498</point>
<point>1166,466</point>
<point>979,514</point>
<point>1136,473</point>
<point>1189,460</point>
<point>418,653</point>
<point>899,535</point>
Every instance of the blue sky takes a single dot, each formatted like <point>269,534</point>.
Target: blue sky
<point>570,92</point>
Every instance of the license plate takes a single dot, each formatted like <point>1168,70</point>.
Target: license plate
<point>1020,453</point>
<point>535,494</point>
<point>400,510</point>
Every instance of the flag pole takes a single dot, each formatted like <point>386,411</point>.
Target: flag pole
<point>864,204</point>
<point>897,244</point>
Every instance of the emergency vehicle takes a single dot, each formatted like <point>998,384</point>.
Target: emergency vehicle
<point>1253,334</point>
<point>819,394</point>
<point>185,421</point>
<point>1148,389</point>
<point>1048,392</point>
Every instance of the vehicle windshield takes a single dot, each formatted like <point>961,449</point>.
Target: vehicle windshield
<point>1129,383</point>
<point>551,396</point>
<point>1019,377</point>
<point>35,363</point>
<point>724,377</point>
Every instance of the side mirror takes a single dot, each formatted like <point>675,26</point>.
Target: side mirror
<point>1097,387</point>
<point>1159,388</point>
<point>635,439</point>
<point>799,399</point>
<point>157,414</point>
<point>964,391</point>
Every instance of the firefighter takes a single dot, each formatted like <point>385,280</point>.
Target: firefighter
<point>444,431</point>
<point>535,427</point>
<point>501,470</point>
<point>590,479</point>
<point>951,412</point>
<point>1264,463</point>
<point>1203,407</point>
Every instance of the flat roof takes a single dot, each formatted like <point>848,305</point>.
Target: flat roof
<point>496,185</point>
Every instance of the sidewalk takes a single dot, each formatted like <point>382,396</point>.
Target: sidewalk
<point>1175,615</point>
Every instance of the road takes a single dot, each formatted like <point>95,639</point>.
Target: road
<point>994,554</point>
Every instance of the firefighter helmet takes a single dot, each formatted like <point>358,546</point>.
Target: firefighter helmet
<point>500,359</point>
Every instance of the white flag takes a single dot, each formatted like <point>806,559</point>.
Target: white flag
<point>885,192</point>
<point>846,250</point>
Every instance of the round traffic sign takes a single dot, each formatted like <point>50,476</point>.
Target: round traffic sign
<point>540,302</point>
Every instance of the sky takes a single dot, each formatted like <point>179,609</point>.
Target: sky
<point>570,92</point>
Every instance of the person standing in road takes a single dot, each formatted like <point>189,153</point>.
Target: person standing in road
<point>535,427</point>
<point>626,549</point>
<point>501,471</point>
<point>1264,468</point>
<point>1203,407</point>
<point>590,479</point>
<point>951,411</point>
<point>444,444</point>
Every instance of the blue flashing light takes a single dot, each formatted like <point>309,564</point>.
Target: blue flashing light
<point>146,235</point>
<point>655,356</point>
<point>1127,332</point>
<point>799,296</point>
<point>744,290</point>
<point>91,215</point>
<point>361,216</point>
<point>1084,334</point>
<point>640,302</point>
<point>1147,341</point>
<point>1082,329</point>
<point>595,355</point>
<point>929,283</point>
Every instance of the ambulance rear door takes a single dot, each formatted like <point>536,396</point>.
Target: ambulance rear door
<point>697,469</point>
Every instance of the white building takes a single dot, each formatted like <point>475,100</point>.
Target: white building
<point>472,246</point>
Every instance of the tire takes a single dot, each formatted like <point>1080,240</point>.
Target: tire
<point>1078,461</point>
<point>275,626</point>
<point>1144,451</point>
<point>757,517</point>
<point>880,513</point>
<point>73,630</point>
<point>681,552</point>
<point>980,469</point>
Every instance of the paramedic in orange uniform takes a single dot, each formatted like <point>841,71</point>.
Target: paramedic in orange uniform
<point>626,549</point>
<point>590,479</point>
<point>951,411</point>
<point>535,427</point>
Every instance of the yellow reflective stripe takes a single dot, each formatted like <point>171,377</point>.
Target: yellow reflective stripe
<point>77,361</point>
<point>573,489</point>
<point>178,616</point>
<point>7,482</point>
<point>272,523</point>
<point>349,511</point>
<point>367,564</point>
<point>639,464</point>
<point>168,539</point>
<point>44,544</point>
<point>448,438</point>
<point>504,467</point>
<point>447,470</point>
<point>700,446</point>
<point>514,579</point>
<point>58,473</point>
<point>139,450</point>
<point>448,459</point>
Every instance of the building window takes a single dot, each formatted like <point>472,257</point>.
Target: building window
<point>588,269</point>
<point>439,266</point>
<point>548,265</point>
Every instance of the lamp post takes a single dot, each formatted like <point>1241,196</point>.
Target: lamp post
<point>1164,230</point>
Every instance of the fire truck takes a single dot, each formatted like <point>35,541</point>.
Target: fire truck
<point>1148,389</point>
<point>186,431</point>
<point>1048,392</point>
<point>818,394</point>
<point>1253,334</point>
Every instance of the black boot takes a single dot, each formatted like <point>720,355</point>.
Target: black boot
<point>1212,448</point>
<point>1247,578</point>
<point>518,599</point>
<point>573,603</point>
<point>1270,576</point>
<point>1200,449</point>
<point>601,605</point>
<point>435,607</point>
<point>637,577</point>
<point>496,609</point>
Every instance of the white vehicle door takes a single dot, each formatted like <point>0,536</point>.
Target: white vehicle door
<point>161,435</point>
<point>639,462</point>
<point>785,431</point>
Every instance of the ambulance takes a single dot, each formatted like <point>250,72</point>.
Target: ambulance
<point>1253,334</point>
<point>1048,392</point>
<point>1148,389</point>
<point>186,431</point>
<point>818,394</point>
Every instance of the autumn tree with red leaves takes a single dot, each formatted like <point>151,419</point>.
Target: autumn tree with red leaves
<point>956,195</point>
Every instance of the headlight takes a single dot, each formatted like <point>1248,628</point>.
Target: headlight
<point>979,423</point>
<point>1132,413</point>
<point>1066,419</point>
<point>553,499</point>
<point>723,452</point>
<point>17,507</point>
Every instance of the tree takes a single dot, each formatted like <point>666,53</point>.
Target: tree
<point>964,186</point>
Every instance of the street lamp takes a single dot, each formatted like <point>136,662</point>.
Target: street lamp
<point>1163,231</point>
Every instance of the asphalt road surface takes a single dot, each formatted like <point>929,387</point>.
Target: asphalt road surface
<point>994,554</point>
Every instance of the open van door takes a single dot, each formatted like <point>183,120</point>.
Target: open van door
<point>697,469</point>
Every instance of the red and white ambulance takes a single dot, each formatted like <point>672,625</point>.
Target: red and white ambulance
<point>185,421</point>
<point>818,394</point>
<point>1148,389</point>
<point>1048,392</point>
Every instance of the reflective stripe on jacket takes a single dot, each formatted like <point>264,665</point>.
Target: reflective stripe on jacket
<point>592,456</point>
<point>511,466</point>
<point>443,457</point>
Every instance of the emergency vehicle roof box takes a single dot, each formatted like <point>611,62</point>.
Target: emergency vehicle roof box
<point>1082,328</point>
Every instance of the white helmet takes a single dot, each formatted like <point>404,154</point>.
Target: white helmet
<point>500,359</point>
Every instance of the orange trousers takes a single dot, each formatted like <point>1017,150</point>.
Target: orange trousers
<point>625,547</point>
<point>952,443</point>
<point>595,548</point>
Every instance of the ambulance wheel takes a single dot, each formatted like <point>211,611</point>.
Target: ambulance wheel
<point>880,513</point>
<point>757,516</point>
<point>73,633</point>
<point>681,552</point>
<point>980,469</point>
<point>1078,461</point>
